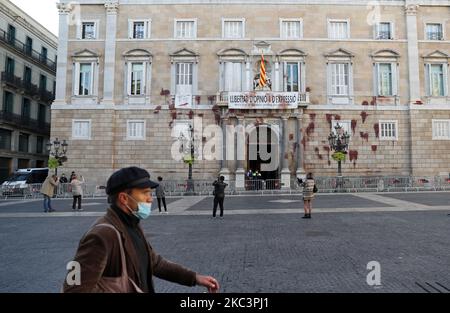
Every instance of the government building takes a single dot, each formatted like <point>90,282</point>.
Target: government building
<point>133,75</point>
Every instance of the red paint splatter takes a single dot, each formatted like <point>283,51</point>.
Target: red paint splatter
<point>316,149</point>
<point>376,128</point>
<point>374,148</point>
<point>364,136</point>
<point>211,99</point>
<point>329,118</point>
<point>364,116</point>
<point>165,92</point>
<point>198,99</point>
<point>191,114</point>
<point>312,116</point>
<point>310,129</point>
<point>157,109</point>
<point>337,117</point>
<point>365,102</point>
<point>353,156</point>
<point>354,123</point>
<point>327,149</point>
<point>291,136</point>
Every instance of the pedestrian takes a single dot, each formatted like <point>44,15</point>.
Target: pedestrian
<point>115,256</point>
<point>309,188</point>
<point>71,176</point>
<point>48,190</point>
<point>161,195</point>
<point>63,179</point>
<point>219,195</point>
<point>63,187</point>
<point>77,192</point>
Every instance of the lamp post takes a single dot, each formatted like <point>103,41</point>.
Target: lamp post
<point>188,147</point>
<point>59,151</point>
<point>339,143</point>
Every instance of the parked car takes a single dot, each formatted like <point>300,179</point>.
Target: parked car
<point>18,184</point>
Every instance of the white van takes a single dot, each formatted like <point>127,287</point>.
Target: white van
<point>19,182</point>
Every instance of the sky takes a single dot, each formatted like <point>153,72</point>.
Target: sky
<point>43,11</point>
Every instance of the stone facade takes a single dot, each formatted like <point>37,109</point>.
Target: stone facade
<point>303,143</point>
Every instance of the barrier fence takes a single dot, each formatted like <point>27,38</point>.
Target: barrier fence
<point>256,186</point>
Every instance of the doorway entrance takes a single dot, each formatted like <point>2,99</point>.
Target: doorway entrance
<point>263,152</point>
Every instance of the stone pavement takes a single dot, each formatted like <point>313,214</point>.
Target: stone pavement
<point>262,244</point>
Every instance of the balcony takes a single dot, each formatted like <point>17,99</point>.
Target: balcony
<point>26,88</point>
<point>435,36</point>
<point>222,98</point>
<point>384,35</point>
<point>11,81</point>
<point>27,52</point>
<point>26,123</point>
<point>196,102</point>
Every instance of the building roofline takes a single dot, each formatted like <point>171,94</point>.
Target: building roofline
<point>30,23</point>
<point>311,2</point>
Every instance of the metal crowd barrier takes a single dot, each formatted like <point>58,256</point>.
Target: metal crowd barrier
<point>33,191</point>
<point>258,186</point>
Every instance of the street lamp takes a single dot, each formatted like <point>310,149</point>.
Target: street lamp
<point>188,147</point>
<point>339,143</point>
<point>59,151</point>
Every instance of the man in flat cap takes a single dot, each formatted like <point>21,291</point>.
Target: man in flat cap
<point>117,239</point>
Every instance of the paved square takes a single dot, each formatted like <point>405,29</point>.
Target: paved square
<point>292,202</point>
<point>266,250</point>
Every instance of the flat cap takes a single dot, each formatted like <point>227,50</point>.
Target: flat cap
<point>128,178</point>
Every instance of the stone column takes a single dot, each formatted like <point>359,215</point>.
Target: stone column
<point>248,76</point>
<point>240,155</point>
<point>285,173</point>
<point>413,51</point>
<point>63,40</point>
<point>225,169</point>
<point>300,149</point>
<point>276,83</point>
<point>110,51</point>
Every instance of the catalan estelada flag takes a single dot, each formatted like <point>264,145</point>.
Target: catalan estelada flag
<point>262,73</point>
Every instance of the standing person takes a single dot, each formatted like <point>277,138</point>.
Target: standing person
<point>63,184</point>
<point>71,176</point>
<point>77,192</point>
<point>115,256</point>
<point>63,179</point>
<point>48,190</point>
<point>309,188</point>
<point>219,195</point>
<point>161,195</point>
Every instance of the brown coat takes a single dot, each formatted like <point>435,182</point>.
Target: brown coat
<point>99,256</point>
<point>48,187</point>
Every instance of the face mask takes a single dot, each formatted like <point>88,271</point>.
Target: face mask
<point>144,209</point>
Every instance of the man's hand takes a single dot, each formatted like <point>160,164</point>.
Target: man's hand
<point>208,282</point>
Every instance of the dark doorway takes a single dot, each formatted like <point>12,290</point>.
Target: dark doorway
<point>263,152</point>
